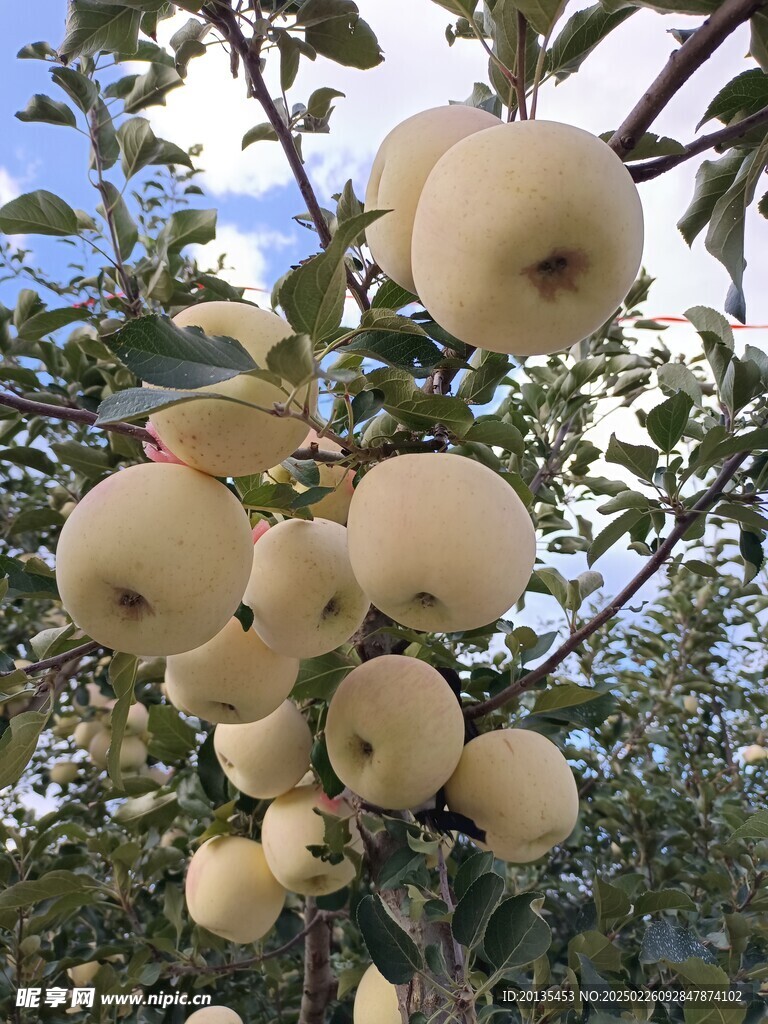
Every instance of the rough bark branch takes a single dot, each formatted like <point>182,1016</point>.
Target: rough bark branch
<point>75,653</point>
<point>63,412</point>
<point>682,63</point>
<point>648,169</point>
<point>654,563</point>
<point>319,982</point>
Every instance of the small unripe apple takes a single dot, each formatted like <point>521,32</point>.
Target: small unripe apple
<point>234,678</point>
<point>154,560</point>
<point>215,1015</point>
<point>133,751</point>
<point>527,237</point>
<point>400,168</point>
<point>518,788</point>
<point>137,721</point>
<point>224,438</point>
<point>85,732</point>
<point>302,591</point>
<point>691,704</point>
<point>439,542</point>
<point>754,754</point>
<point>230,890</point>
<point>375,1000</point>
<point>394,731</point>
<point>266,758</point>
<point>290,825</point>
<point>64,772</point>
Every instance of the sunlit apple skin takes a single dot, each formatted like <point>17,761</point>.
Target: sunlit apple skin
<point>302,591</point>
<point>754,754</point>
<point>230,890</point>
<point>375,1000</point>
<point>133,751</point>
<point>85,732</point>
<point>527,237</point>
<point>266,758</point>
<point>154,560</point>
<point>222,438</point>
<point>290,826</point>
<point>234,678</point>
<point>64,772</point>
<point>518,788</point>
<point>400,168</point>
<point>394,731</point>
<point>215,1015</point>
<point>439,542</point>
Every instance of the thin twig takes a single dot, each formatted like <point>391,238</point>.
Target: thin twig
<point>60,412</point>
<point>551,464</point>
<point>654,563</point>
<point>682,63</point>
<point>648,169</point>
<point>74,654</point>
<point>522,35</point>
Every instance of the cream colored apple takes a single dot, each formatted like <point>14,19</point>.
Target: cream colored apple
<point>65,725</point>
<point>394,731</point>
<point>527,237</point>
<point>754,753</point>
<point>290,825</point>
<point>85,732</point>
<point>266,758</point>
<point>137,721</point>
<point>302,591</point>
<point>215,1015</point>
<point>439,542</point>
<point>154,560</point>
<point>401,167</point>
<point>518,788</point>
<point>64,772</point>
<point>375,1000</point>
<point>133,751</point>
<point>230,890</point>
<point>96,698</point>
<point>691,703</point>
<point>334,506</point>
<point>234,678</point>
<point>222,438</point>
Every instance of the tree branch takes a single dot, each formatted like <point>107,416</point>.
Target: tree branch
<point>74,653</point>
<point>61,412</point>
<point>682,63</point>
<point>552,463</point>
<point>225,20</point>
<point>522,34</point>
<point>319,982</point>
<point>654,563</point>
<point>648,169</point>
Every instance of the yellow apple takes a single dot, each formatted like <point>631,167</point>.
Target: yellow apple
<point>266,758</point>
<point>96,698</point>
<point>85,732</point>
<point>400,168</point>
<point>691,704</point>
<point>394,731</point>
<point>527,237</point>
<point>234,678</point>
<point>133,751</point>
<point>215,1015</point>
<point>169,837</point>
<point>302,591</point>
<point>222,438</point>
<point>375,1000</point>
<point>137,721</point>
<point>65,725</point>
<point>754,754</point>
<point>230,890</point>
<point>290,825</point>
<point>334,506</point>
<point>154,560</point>
<point>518,788</point>
<point>64,772</point>
<point>439,542</point>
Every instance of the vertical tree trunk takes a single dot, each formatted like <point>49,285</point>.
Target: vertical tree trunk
<point>319,981</point>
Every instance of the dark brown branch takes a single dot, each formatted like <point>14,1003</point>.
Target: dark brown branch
<point>225,20</point>
<point>654,563</point>
<point>522,35</point>
<point>74,654</point>
<point>319,982</point>
<point>63,412</point>
<point>648,169</point>
<point>682,63</point>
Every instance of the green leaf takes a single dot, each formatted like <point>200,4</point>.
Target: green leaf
<point>498,434</point>
<point>667,422</point>
<point>392,296</point>
<point>755,827</point>
<point>161,353</point>
<point>329,780</point>
<point>319,677</point>
<point>649,146</point>
<point>23,581</point>
<point>38,213</point>
<point>263,132</point>
<point>758,40</point>
<point>516,935</point>
<point>475,908</point>
<point>366,404</point>
<point>741,383</point>
<point>751,549</point>
<point>743,95</point>
<point>43,108</point>
<point>674,377</point>
<point>392,950</point>
<point>187,227</point>
<point>425,411</point>
<point>319,104</point>
<point>17,745</point>
<point>106,138</point>
<point>137,403</point>
<point>611,902</point>
<point>541,14</point>
<point>713,179</point>
<point>292,359</point>
<point>140,147</point>
<point>171,738</point>
<point>580,35</point>
<point>612,533</point>
<point>125,227</point>
<point>33,458</point>
<point>335,30</point>
<point>555,583</point>
<point>122,677</point>
<point>77,86</point>
<point>637,458</point>
<point>664,899</point>
<point>50,320</point>
<point>92,26</point>
<point>478,385</point>
<point>86,459</point>
<point>395,340</point>
<point>55,883</point>
<point>664,941</point>
<point>564,695</point>
<point>152,88</point>
<point>472,868</point>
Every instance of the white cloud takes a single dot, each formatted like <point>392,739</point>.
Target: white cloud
<point>9,186</point>
<point>246,260</point>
